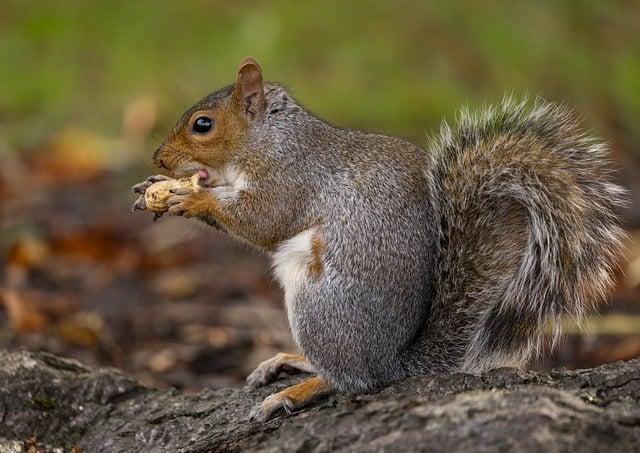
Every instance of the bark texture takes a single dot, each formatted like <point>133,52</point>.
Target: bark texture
<point>61,404</point>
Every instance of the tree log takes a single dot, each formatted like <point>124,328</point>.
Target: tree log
<point>57,403</point>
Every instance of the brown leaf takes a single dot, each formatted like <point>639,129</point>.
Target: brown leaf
<point>101,244</point>
<point>83,329</point>
<point>53,305</point>
<point>31,446</point>
<point>72,157</point>
<point>178,284</point>
<point>162,361</point>
<point>23,315</point>
<point>28,251</point>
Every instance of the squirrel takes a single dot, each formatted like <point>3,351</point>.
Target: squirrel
<point>395,260</point>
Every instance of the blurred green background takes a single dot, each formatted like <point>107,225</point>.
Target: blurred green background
<point>89,88</point>
<point>392,66</point>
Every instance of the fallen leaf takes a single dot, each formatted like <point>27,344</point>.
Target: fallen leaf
<point>28,251</point>
<point>72,156</point>
<point>23,316</point>
<point>177,284</point>
<point>162,361</point>
<point>83,329</point>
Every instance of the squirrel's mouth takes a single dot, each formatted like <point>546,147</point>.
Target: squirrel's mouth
<point>184,170</point>
<point>207,176</point>
<point>203,177</point>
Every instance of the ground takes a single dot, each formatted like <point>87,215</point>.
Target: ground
<point>53,402</point>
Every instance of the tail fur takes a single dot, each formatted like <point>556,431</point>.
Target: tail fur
<point>528,229</point>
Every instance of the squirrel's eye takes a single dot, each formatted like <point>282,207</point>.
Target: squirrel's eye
<point>202,124</point>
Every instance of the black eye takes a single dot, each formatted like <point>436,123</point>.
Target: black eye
<point>202,124</point>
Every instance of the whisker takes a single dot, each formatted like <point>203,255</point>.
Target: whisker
<point>184,105</point>
<point>163,143</point>
<point>179,238</point>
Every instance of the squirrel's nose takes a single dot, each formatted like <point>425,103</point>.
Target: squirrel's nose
<point>157,158</point>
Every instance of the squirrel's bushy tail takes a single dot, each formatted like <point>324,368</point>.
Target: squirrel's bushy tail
<point>528,230</point>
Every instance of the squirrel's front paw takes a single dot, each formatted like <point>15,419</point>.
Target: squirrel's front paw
<point>141,188</point>
<point>188,203</point>
<point>159,193</point>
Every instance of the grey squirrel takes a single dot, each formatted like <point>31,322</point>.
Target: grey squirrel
<point>395,260</point>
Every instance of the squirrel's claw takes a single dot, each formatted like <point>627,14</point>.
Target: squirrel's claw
<point>177,203</point>
<point>269,370</point>
<point>139,204</point>
<point>141,187</point>
<point>272,404</point>
<point>266,372</point>
<point>261,377</point>
<point>292,398</point>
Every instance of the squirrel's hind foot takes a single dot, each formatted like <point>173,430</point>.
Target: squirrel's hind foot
<point>269,370</point>
<point>290,399</point>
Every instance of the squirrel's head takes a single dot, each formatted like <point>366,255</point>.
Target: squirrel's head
<point>210,133</point>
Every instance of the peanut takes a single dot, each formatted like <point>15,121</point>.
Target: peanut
<point>157,194</point>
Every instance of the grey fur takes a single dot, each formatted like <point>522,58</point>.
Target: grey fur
<point>453,258</point>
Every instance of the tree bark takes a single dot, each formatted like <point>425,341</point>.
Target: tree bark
<point>59,403</point>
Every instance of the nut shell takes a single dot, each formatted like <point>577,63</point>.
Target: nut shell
<point>157,194</point>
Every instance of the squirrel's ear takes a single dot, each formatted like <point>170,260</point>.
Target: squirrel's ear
<point>249,91</point>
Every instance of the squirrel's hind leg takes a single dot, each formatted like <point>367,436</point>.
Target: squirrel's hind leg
<point>269,370</point>
<point>291,398</point>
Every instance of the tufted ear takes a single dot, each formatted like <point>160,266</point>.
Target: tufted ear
<point>249,91</point>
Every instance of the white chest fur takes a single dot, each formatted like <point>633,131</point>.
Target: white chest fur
<point>291,264</point>
<point>228,183</point>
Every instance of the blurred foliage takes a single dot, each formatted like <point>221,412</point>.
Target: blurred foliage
<point>88,87</point>
<point>392,66</point>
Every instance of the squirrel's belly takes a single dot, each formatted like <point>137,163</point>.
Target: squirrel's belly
<point>342,321</point>
<point>294,261</point>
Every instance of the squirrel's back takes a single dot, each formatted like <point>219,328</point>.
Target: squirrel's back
<point>528,235</point>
